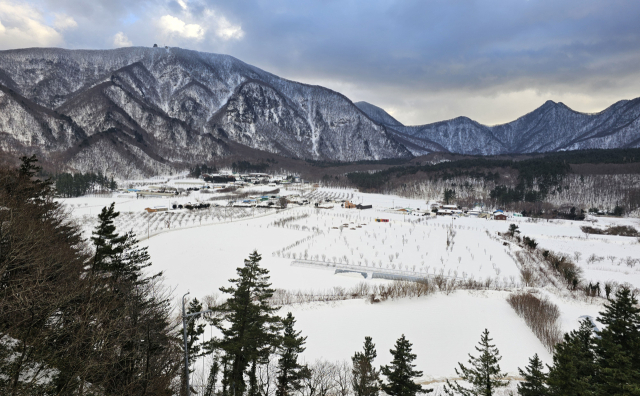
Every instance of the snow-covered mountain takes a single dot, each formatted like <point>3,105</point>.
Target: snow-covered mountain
<point>135,111</point>
<point>551,127</point>
<point>149,108</point>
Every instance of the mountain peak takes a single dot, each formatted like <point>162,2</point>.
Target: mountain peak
<point>378,114</point>
<point>175,107</point>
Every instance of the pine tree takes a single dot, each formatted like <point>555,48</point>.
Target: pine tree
<point>134,325</point>
<point>249,325</point>
<point>400,373</point>
<point>484,374</point>
<point>573,370</point>
<point>107,242</point>
<point>35,189</point>
<point>617,346</point>
<point>194,331</point>
<point>128,265</point>
<point>212,379</point>
<point>513,230</point>
<point>365,376</point>
<point>534,379</point>
<point>290,372</point>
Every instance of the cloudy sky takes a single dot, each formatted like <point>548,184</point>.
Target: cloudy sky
<point>421,60</point>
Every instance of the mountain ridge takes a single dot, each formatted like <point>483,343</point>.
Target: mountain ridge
<point>553,126</point>
<point>173,107</point>
<point>139,111</point>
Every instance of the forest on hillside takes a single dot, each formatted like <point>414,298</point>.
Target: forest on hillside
<point>602,179</point>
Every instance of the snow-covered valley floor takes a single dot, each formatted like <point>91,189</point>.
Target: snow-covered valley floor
<point>303,247</point>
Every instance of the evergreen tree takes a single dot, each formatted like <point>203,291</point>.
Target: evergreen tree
<point>249,325</point>
<point>108,244</point>
<point>513,230</point>
<point>449,194</point>
<point>42,258</point>
<point>128,265</point>
<point>365,376</point>
<point>483,374</point>
<point>89,318</point>
<point>194,331</point>
<point>400,373</point>
<point>617,346</point>
<point>290,372</point>
<point>78,184</point>
<point>573,370</point>
<point>134,324</point>
<point>212,379</point>
<point>534,379</point>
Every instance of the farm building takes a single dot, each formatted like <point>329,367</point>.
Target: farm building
<point>156,209</point>
<point>500,216</point>
<point>349,205</point>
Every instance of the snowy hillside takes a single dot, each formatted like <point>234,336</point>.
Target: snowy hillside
<point>153,107</point>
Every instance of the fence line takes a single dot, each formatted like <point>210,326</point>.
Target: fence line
<point>375,272</point>
<point>158,232</point>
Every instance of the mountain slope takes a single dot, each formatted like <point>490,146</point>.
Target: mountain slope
<point>551,127</point>
<point>417,145</point>
<point>139,111</point>
<point>172,107</point>
<point>378,115</point>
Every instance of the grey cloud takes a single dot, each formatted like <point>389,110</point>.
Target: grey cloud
<point>410,49</point>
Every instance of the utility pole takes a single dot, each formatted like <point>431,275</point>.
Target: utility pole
<point>186,319</point>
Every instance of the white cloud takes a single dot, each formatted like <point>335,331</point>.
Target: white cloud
<point>223,28</point>
<point>120,40</point>
<point>183,4</point>
<point>227,31</point>
<point>64,22</point>
<point>23,26</point>
<point>174,26</point>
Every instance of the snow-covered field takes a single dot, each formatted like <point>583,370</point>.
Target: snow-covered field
<point>303,247</point>
<point>409,246</point>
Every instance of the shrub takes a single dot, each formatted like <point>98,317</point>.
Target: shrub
<point>564,267</point>
<point>528,276</point>
<point>530,243</point>
<point>615,230</point>
<point>540,315</point>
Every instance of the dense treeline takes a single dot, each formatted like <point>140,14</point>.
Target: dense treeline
<point>78,184</point>
<point>198,170</point>
<point>246,166</point>
<point>330,164</point>
<point>598,156</point>
<point>76,317</point>
<point>544,171</point>
<point>538,185</point>
<point>547,168</point>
